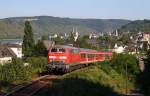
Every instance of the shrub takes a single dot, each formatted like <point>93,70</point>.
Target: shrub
<point>18,71</point>
<point>125,62</point>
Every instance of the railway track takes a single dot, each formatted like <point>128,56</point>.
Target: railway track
<point>33,87</point>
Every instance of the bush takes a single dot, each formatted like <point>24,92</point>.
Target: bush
<point>38,64</point>
<point>14,71</point>
<point>121,62</point>
<point>18,71</point>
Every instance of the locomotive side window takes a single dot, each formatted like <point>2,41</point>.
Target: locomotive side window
<point>71,51</point>
<point>74,51</point>
<point>54,50</point>
<point>91,55</point>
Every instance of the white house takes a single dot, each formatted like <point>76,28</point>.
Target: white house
<point>9,51</point>
<point>5,55</point>
<point>17,49</point>
<point>118,49</point>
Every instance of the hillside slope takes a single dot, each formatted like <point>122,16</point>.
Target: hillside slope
<point>136,26</point>
<point>13,27</point>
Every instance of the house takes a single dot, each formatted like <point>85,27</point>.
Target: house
<point>93,36</point>
<point>146,37</point>
<point>6,54</point>
<point>131,48</point>
<point>118,48</point>
<point>9,51</point>
<point>17,49</point>
<point>143,40</point>
<point>93,42</point>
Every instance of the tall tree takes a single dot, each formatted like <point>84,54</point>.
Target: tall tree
<point>40,49</point>
<point>28,40</point>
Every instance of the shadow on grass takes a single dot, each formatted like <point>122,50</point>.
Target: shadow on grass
<point>143,78</point>
<point>78,87</point>
<point>6,86</point>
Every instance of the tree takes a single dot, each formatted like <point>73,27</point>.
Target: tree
<point>40,49</point>
<point>122,61</point>
<point>125,38</point>
<point>145,45</point>
<point>144,77</point>
<point>28,40</point>
<point>71,38</point>
<point>59,40</point>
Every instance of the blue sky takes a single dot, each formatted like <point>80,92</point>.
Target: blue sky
<point>102,9</point>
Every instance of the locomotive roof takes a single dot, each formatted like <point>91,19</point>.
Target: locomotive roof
<point>82,50</point>
<point>71,47</point>
<point>65,46</point>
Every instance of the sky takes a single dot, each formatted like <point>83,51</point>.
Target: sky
<point>99,9</point>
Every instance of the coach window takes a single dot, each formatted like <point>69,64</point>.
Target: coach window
<point>89,55</point>
<point>83,55</point>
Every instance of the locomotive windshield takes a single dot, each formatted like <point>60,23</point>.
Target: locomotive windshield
<point>61,50</point>
<point>54,50</point>
<point>58,50</point>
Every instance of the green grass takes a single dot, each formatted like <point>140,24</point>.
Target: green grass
<point>90,81</point>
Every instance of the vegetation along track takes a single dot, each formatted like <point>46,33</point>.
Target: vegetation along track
<point>33,87</point>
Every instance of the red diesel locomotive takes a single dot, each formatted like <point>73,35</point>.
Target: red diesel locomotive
<point>66,58</point>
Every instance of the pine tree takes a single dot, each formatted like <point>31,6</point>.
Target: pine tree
<point>28,40</point>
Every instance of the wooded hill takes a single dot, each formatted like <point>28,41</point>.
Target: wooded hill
<point>13,27</point>
<point>136,26</point>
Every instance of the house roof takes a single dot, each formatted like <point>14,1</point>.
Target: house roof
<point>11,41</point>
<point>6,52</point>
<point>11,45</point>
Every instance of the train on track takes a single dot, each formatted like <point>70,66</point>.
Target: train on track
<point>66,58</point>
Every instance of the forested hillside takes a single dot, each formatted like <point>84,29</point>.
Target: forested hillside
<point>136,26</point>
<point>13,27</point>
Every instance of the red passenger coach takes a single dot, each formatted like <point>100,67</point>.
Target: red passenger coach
<point>66,58</point>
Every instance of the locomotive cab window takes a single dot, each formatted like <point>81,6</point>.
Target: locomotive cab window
<point>58,50</point>
<point>54,50</point>
<point>61,50</point>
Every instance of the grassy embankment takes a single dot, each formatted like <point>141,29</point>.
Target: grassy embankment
<point>98,80</point>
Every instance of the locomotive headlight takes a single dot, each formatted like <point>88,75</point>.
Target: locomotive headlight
<point>52,57</point>
<point>62,57</point>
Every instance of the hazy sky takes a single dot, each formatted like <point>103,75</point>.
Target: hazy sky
<point>103,9</point>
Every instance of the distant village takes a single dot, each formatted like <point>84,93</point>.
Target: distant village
<point>12,48</point>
